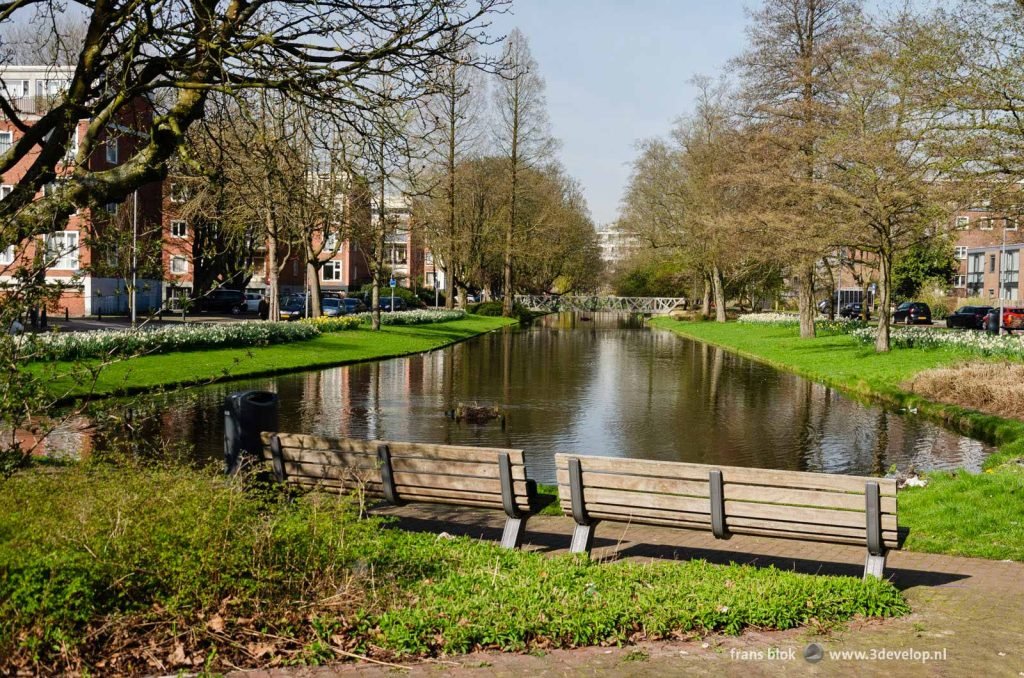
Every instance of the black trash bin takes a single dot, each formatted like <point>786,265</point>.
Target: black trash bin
<point>246,415</point>
<point>992,322</point>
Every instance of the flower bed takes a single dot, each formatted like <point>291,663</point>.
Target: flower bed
<point>1007,346</point>
<point>419,317</point>
<point>336,324</point>
<point>109,343</point>
<point>822,324</point>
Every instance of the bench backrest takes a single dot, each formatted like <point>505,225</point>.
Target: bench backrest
<point>793,504</point>
<point>420,472</point>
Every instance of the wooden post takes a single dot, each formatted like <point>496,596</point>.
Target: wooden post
<point>277,458</point>
<point>874,564</point>
<point>515,523</point>
<point>387,478</point>
<point>717,505</point>
<point>583,533</point>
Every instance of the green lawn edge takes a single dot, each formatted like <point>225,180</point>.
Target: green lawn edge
<point>70,381</point>
<point>958,513</point>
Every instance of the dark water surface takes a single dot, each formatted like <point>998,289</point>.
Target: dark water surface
<point>603,384</point>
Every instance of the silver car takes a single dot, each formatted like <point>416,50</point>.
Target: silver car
<point>252,302</point>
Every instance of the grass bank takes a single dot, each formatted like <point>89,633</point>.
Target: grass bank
<point>144,373</point>
<point>958,513</point>
<point>132,569</point>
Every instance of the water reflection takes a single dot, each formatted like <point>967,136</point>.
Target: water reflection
<point>595,384</point>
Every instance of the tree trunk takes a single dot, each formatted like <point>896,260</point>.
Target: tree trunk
<point>705,308</point>
<point>833,299</point>
<point>272,269</point>
<point>805,300</point>
<point>313,283</point>
<point>719,289</point>
<point>463,300</point>
<point>449,287</point>
<point>884,276</point>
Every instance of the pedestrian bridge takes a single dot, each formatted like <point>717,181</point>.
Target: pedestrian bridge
<point>556,303</point>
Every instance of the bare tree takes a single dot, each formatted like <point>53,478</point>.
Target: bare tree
<point>795,45</point>
<point>522,137</point>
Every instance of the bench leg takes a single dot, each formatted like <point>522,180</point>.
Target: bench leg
<point>583,538</point>
<point>512,536</point>
<point>874,566</point>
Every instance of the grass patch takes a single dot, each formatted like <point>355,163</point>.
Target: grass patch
<point>958,513</point>
<point>144,373</point>
<point>133,569</point>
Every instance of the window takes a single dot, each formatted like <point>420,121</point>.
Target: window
<point>62,250</point>
<point>6,139</point>
<point>331,243</point>
<point>112,151</point>
<point>397,253</point>
<point>975,273</point>
<point>960,281</point>
<point>7,256</point>
<point>50,88</point>
<point>963,223</point>
<point>5,191</point>
<point>985,224</point>
<point>17,89</point>
<point>111,208</point>
<point>178,193</point>
<point>1011,274</point>
<point>428,257</point>
<point>961,252</point>
<point>332,271</point>
<point>179,265</point>
<point>991,263</point>
<point>1011,224</point>
<point>179,228</point>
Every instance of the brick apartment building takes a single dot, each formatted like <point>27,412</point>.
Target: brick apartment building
<point>979,250</point>
<point>85,264</point>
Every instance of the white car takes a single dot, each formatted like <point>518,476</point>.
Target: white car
<point>252,302</point>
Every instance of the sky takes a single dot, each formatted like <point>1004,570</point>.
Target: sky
<point>617,71</point>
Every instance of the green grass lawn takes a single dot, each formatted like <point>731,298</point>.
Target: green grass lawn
<point>195,367</point>
<point>958,513</point>
<point>138,568</point>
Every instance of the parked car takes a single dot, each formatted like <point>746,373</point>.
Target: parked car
<point>824,305</point>
<point>332,307</point>
<point>252,302</point>
<point>399,305</point>
<point>293,308</point>
<point>222,301</point>
<point>1013,319</point>
<point>353,305</point>
<point>853,310</point>
<point>913,313</point>
<point>968,317</point>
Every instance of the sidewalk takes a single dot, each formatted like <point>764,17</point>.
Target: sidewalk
<point>968,613</point>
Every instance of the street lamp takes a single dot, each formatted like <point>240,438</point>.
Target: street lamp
<point>1002,283</point>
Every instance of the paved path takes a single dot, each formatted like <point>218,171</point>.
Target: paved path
<point>967,612</point>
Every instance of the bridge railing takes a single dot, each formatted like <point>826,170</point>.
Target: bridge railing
<point>579,303</point>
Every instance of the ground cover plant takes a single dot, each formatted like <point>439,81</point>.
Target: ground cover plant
<point>139,568</point>
<point>958,513</point>
<point>968,343</point>
<point>334,323</point>
<point>143,373</point>
<point>416,317</point>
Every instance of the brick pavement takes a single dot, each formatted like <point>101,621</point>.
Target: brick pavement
<point>970,609</point>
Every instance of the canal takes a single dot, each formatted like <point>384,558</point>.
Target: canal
<point>603,384</point>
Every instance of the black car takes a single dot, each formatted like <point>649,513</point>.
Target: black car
<point>913,313</point>
<point>853,310</point>
<point>399,305</point>
<point>353,305</point>
<point>968,317</point>
<point>293,308</point>
<point>222,301</point>
<point>332,307</point>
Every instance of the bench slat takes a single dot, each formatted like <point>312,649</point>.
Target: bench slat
<point>346,473</point>
<point>374,491</point>
<point>621,513</point>
<point>776,512</point>
<point>691,488</point>
<point>454,468</point>
<point>329,457</point>
<point>730,474</point>
<point>466,483</point>
<point>812,498</point>
<point>736,523</point>
<point>630,500</point>
<point>889,541</point>
<point>406,449</point>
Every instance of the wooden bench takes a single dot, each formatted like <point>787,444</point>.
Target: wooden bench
<point>727,500</point>
<point>400,473</point>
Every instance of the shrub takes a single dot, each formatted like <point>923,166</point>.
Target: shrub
<point>336,324</point>
<point>403,293</point>
<point>822,324</point>
<point>493,309</point>
<point>110,343</point>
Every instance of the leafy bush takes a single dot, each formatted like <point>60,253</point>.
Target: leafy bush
<point>418,317</point>
<point>147,568</point>
<point>337,324</point>
<point>103,343</point>
<point>1007,346</point>
<point>492,309</point>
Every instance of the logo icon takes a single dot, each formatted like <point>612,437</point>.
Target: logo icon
<point>814,653</point>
